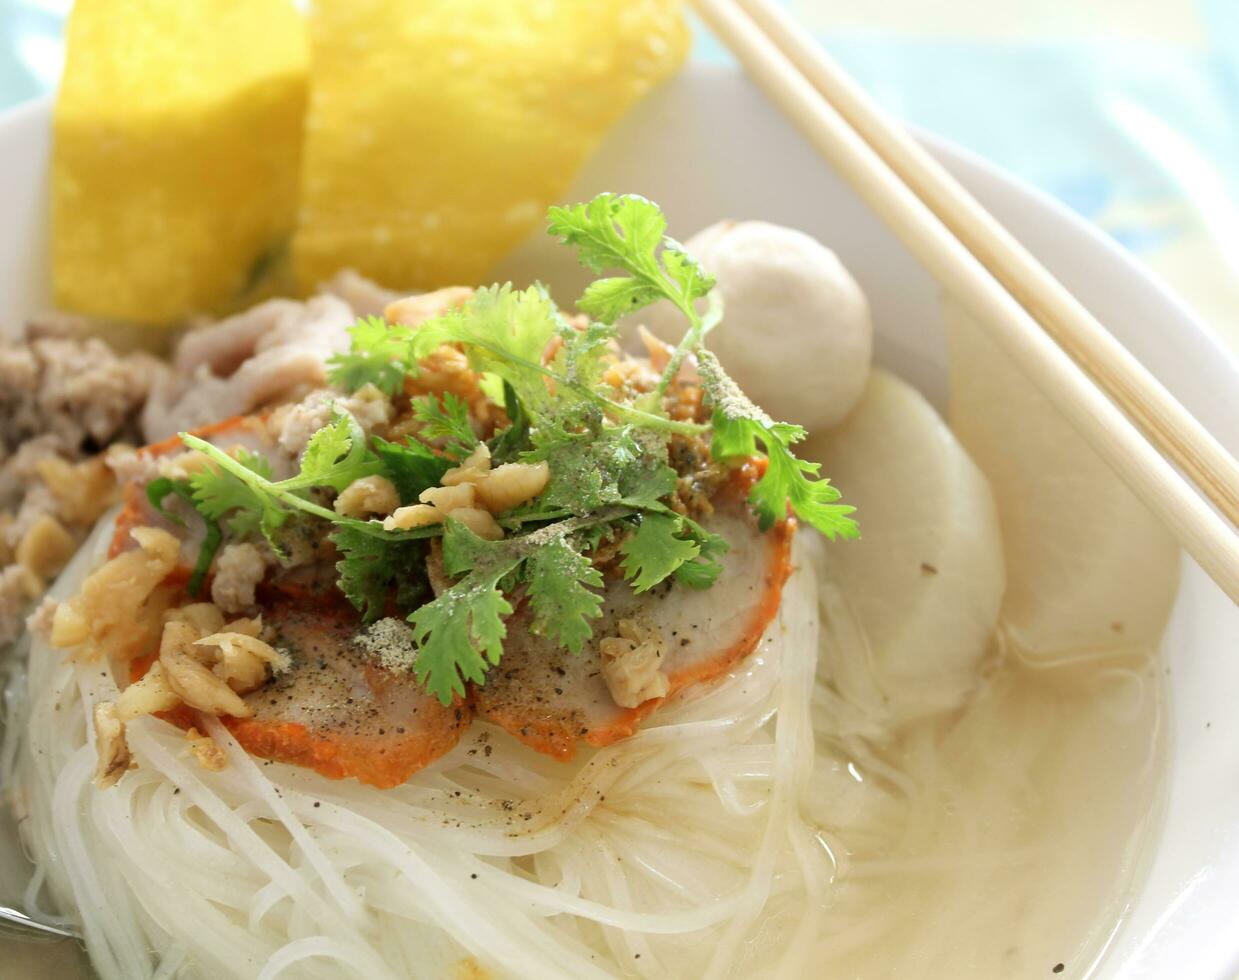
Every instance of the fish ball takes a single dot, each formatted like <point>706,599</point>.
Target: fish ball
<point>796,333</point>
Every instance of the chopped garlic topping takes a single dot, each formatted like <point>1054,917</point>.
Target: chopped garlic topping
<point>205,751</point>
<point>479,522</point>
<point>448,499</point>
<point>111,748</point>
<point>512,484</point>
<point>118,612</point>
<point>473,469</point>
<point>415,515</point>
<point>369,495</point>
<point>632,664</point>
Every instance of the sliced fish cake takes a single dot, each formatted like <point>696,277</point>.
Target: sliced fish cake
<point>551,699</point>
<point>337,711</point>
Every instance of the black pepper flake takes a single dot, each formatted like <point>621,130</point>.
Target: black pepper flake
<point>317,803</point>
<point>1059,967</point>
<point>473,876</point>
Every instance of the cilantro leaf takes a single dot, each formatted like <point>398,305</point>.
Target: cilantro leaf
<point>561,581</point>
<point>463,627</point>
<point>581,355</point>
<point>505,332</point>
<point>157,491</point>
<point>456,635</point>
<point>379,355</point>
<point>586,460</point>
<point>740,428</point>
<point>610,299</point>
<point>335,456</point>
<point>703,571</point>
<point>369,567</point>
<point>464,551</point>
<point>655,550</point>
<point>625,232</point>
<point>644,483</point>
<point>509,443</point>
<point>411,466</point>
<point>222,491</point>
<point>243,486</point>
<point>446,420</point>
<point>468,617</point>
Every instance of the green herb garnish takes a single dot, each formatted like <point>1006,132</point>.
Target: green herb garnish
<point>610,478</point>
<point>157,491</point>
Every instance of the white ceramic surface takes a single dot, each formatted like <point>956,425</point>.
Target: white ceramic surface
<point>708,146</point>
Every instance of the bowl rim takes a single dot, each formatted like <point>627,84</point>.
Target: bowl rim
<point>1198,348</point>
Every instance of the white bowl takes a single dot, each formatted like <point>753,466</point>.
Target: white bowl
<point>708,146</point>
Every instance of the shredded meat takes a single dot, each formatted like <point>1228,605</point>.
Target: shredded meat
<point>62,398</point>
<point>79,391</point>
<point>365,297</point>
<point>238,570</point>
<point>292,425</point>
<point>271,353</point>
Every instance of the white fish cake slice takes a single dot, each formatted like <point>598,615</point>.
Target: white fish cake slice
<point>1090,568</point>
<point>926,578</point>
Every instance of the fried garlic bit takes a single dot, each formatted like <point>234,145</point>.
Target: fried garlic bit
<point>206,751</point>
<point>242,659</point>
<point>119,609</point>
<point>192,680</point>
<point>113,751</point>
<point>632,664</point>
<point>204,663</point>
<point>473,493</point>
<point>366,496</point>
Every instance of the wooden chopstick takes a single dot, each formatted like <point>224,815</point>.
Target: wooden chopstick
<point>1164,421</point>
<point>1209,539</point>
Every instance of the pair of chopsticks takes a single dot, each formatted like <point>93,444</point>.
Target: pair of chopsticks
<point>1127,416</point>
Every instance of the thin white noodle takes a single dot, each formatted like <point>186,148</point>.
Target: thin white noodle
<point>735,836</point>
<point>320,946</point>
<point>344,898</point>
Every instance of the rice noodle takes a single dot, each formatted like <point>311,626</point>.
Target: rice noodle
<point>763,828</point>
